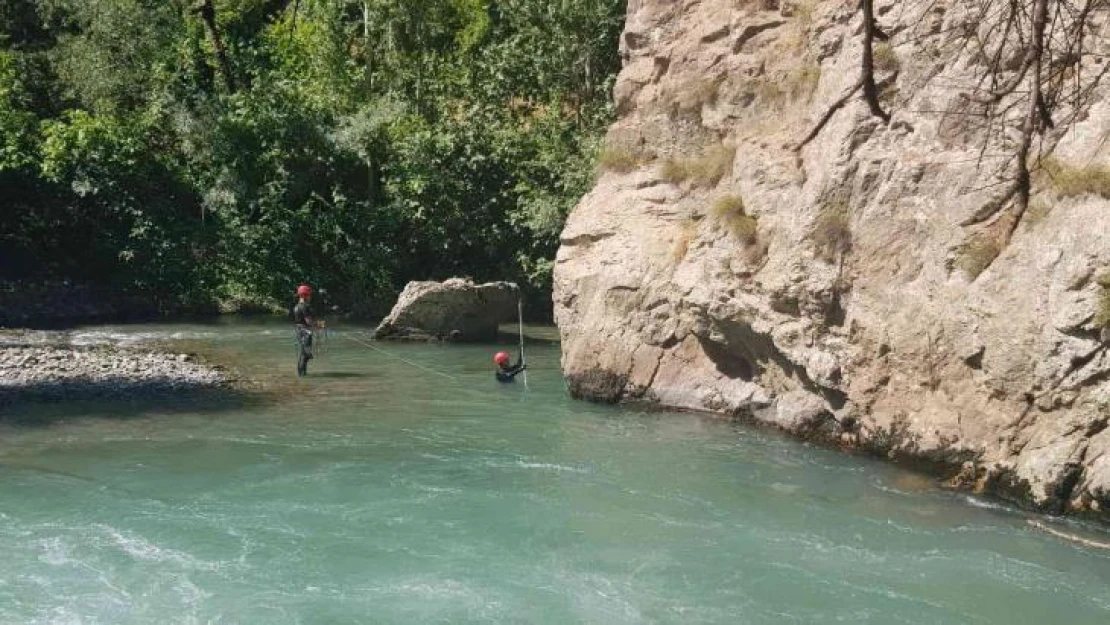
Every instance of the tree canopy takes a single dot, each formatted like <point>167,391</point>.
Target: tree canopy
<point>194,150</point>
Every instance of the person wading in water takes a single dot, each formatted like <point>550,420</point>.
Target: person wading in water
<point>305,321</point>
<point>506,371</point>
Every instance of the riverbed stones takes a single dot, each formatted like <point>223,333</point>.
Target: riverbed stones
<point>34,369</point>
<point>453,310</point>
<point>851,302</point>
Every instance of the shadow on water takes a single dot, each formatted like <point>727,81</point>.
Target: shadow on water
<point>343,375</point>
<point>43,404</point>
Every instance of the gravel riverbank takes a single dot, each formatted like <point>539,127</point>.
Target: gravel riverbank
<point>40,365</point>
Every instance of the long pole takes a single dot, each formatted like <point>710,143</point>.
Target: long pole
<point>520,327</point>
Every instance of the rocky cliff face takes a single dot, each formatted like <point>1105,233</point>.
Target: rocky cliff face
<point>832,291</point>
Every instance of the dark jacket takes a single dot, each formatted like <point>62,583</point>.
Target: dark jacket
<point>303,315</point>
<point>507,373</point>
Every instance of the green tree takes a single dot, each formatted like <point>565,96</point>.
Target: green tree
<point>236,147</point>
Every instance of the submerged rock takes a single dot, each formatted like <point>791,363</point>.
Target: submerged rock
<point>456,309</point>
<point>821,290</point>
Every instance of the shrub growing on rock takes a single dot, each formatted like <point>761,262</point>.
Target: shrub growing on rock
<point>729,211</point>
<point>976,254</point>
<point>706,169</point>
<point>727,205</point>
<point>832,233</point>
<point>692,94</point>
<point>1039,209</point>
<point>886,59</point>
<point>1070,181</point>
<point>674,170</point>
<point>803,80</point>
<point>620,159</point>
<point>1102,312</point>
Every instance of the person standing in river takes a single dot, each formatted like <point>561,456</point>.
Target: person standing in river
<point>506,371</point>
<point>304,321</point>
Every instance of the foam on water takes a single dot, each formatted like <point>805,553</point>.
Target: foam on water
<point>979,502</point>
<point>547,466</point>
<point>141,549</point>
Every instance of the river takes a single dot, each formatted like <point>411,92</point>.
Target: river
<point>383,491</point>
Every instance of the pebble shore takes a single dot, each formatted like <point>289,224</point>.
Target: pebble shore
<point>42,366</point>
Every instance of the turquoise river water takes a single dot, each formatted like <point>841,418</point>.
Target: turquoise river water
<point>375,491</point>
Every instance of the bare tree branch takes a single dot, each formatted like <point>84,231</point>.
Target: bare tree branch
<point>870,91</point>
<point>1024,180</point>
<point>833,108</point>
<point>871,31</point>
<point>992,208</point>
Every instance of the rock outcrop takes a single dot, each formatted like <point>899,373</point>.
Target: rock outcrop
<point>832,291</point>
<point>456,309</point>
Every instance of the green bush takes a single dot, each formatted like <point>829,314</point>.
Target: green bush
<point>18,126</point>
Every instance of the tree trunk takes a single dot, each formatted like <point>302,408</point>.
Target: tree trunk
<point>369,67</point>
<point>1033,113</point>
<point>870,90</point>
<point>866,81</point>
<point>207,13</point>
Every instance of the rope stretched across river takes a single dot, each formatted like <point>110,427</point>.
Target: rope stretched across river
<point>406,361</point>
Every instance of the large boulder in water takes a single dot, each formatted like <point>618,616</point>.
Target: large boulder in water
<point>455,309</point>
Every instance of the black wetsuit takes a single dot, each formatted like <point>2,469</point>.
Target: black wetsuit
<point>304,320</point>
<point>507,373</point>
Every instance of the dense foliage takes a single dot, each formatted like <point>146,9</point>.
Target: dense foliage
<point>194,150</point>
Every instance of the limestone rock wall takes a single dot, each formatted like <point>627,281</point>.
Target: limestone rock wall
<point>846,316</point>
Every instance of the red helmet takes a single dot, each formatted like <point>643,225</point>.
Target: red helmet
<point>501,358</point>
<point>304,290</point>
